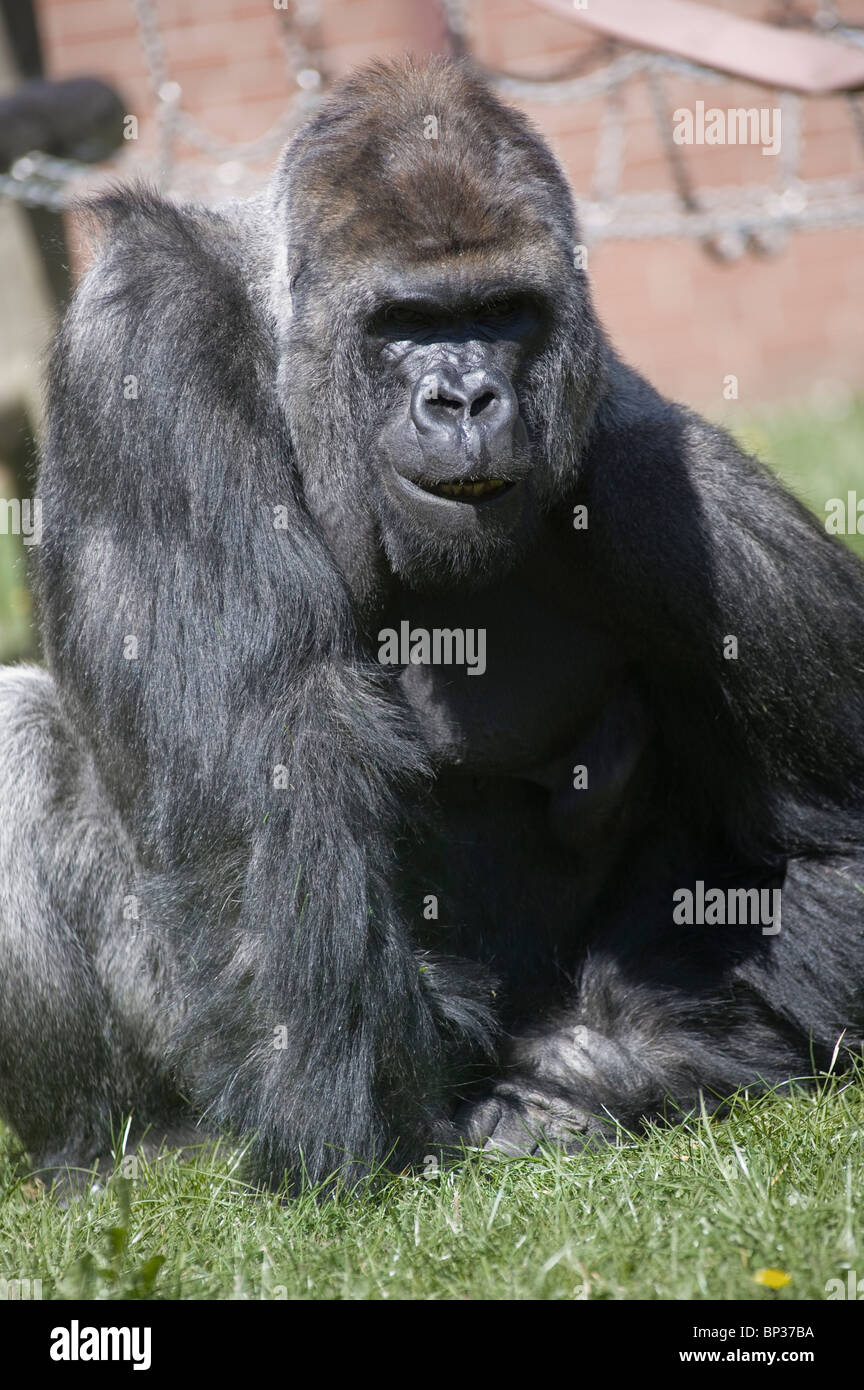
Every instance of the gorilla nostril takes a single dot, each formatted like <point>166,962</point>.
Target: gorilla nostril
<point>476,402</point>
<point>482,402</point>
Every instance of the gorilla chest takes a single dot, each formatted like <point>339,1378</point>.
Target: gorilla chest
<point>501,684</point>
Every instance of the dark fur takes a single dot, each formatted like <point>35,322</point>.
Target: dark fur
<point>558,993</point>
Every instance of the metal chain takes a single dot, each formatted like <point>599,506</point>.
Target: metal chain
<point>820,205</point>
<point>174,122</point>
<point>609,152</point>
<point>40,181</point>
<point>725,221</point>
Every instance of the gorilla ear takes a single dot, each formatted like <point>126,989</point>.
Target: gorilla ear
<point>289,275</point>
<point>286,262</point>
<point>282,281</point>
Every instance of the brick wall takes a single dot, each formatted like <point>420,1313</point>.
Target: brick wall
<point>787,326</point>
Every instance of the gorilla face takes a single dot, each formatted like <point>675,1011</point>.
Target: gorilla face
<point>456,453</point>
<point>441,357</point>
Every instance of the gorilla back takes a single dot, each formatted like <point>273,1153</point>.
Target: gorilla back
<point>436,719</point>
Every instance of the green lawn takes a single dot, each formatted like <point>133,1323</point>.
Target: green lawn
<point>691,1213</point>
<point>819,456</point>
<point>15,603</point>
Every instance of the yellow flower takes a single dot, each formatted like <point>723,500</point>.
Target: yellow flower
<point>772,1278</point>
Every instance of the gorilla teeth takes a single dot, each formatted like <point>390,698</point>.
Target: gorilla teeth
<point>481,487</point>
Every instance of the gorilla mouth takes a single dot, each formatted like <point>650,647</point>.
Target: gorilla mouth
<point>467,489</point>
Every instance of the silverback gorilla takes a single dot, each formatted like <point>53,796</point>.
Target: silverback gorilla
<point>278,859</point>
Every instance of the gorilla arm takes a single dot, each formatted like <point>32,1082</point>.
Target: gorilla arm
<point>694,543</point>
<point>204,645</point>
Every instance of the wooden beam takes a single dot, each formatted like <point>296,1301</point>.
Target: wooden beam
<point>744,48</point>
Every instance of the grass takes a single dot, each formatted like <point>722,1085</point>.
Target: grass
<point>818,454</point>
<point>690,1213</point>
<point>16,614</point>
<point>694,1212</point>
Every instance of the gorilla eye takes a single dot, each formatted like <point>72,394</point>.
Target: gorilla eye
<point>495,309</point>
<point>507,310</point>
<point>519,313</point>
<point>394,319</point>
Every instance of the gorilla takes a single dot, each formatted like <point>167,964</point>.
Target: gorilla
<point>443,738</point>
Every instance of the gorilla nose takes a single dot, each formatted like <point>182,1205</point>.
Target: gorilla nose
<point>448,402</point>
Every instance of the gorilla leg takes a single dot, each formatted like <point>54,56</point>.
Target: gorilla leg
<point>80,1014</point>
<point>664,1016</point>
